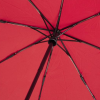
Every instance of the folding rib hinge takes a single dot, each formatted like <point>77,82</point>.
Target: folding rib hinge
<point>82,78</point>
<point>78,40</point>
<point>44,76</point>
<point>2,21</point>
<point>68,53</point>
<point>94,97</point>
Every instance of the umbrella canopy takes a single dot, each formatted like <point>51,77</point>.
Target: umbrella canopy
<point>49,50</point>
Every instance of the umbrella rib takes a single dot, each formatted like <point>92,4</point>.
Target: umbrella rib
<point>46,25</point>
<point>41,32</point>
<point>68,40</point>
<point>82,78</point>
<point>67,52</point>
<point>95,15</point>
<point>32,27</point>
<point>35,28</point>
<point>41,14</point>
<point>61,48</point>
<point>64,31</point>
<point>59,16</point>
<point>15,53</point>
<point>73,25</point>
<point>64,46</point>
<point>80,40</point>
<point>45,73</point>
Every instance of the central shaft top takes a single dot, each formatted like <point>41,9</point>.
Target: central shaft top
<point>53,41</point>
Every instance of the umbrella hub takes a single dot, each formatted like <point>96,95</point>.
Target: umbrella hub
<point>53,40</point>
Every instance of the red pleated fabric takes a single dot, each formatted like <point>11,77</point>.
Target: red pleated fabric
<point>62,80</point>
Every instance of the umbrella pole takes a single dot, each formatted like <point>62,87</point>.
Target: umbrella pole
<point>39,71</point>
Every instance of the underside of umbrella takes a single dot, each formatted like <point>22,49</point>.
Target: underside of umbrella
<point>50,50</point>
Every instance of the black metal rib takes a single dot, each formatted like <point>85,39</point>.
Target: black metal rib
<point>47,26</point>
<point>41,32</point>
<point>80,40</point>
<point>64,46</point>
<point>73,25</point>
<point>67,52</point>
<point>33,27</point>
<point>61,48</point>
<point>45,74</point>
<point>15,53</point>
<point>61,33</point>
<point>68,40</point>
<point>80,21</point>
<point>82,78</point>
<point>59,16</point>
<point>41,14</point>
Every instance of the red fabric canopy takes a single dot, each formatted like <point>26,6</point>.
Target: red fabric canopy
<point>62,79</point>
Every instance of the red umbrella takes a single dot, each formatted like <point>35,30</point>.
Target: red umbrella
<point>49,50</point>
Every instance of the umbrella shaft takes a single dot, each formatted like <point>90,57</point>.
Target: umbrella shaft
<point>39,71</point>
